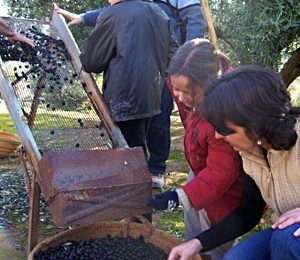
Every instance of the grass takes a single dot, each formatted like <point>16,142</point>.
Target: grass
<point>176,156</point>
<point>6,124</point>
<point>7,252</point>
<point>170,222</point>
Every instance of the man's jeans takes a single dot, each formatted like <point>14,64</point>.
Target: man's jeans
<point>158,138</point>
<point>275,244</point>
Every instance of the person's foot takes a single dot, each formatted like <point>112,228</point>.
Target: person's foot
<point>158,181</point>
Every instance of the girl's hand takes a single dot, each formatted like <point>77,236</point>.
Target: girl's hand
<point>185,250</point>
<point>287,219</point>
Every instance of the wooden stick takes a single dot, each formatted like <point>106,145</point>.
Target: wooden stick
<point>209,22</point>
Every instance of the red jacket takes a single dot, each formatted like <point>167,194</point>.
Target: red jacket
<point>217,186</point>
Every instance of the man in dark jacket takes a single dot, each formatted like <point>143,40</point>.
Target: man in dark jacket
<point>131,44</point>
<point>188,23</point>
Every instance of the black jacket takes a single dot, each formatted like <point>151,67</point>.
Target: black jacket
<point>132,44</point>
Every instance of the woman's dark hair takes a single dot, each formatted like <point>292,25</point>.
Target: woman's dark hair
<point>256,99</point>
<point>199,62</point>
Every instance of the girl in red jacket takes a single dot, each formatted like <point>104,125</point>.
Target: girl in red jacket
<point>215,185</point>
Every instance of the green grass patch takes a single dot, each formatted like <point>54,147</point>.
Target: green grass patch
<point>170,222</point>
<point>7,250</point>
<point>176,156</point>
<point>175,113</point>
<point>4,255</point>
<point>48,121</point>
<point>6,123</point>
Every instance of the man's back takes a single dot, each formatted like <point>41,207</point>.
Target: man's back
<point>130,43</point>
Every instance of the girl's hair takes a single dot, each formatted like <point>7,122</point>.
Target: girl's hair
<point>199,62</point>
<point>256,99</point>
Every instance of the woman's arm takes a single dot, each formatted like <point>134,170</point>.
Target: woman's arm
<point>240,221</point>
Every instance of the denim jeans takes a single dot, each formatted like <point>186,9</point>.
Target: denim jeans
<point>197,222</point>
<point>275,244</point>
<point>158,138</point>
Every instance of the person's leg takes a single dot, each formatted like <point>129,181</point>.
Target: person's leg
<point>197,222</point>
<point>254,247</point>
<point>158,138</point>
<point>284,245</point>
<point>192,225</point>
<point>135,132</point>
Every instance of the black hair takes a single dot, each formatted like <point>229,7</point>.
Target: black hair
<point>256,99</point>
<point>199,62</point>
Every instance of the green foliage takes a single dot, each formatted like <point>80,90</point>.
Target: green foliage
<point>257,31</point>
<point>250,32</point>
<point>73,96</point>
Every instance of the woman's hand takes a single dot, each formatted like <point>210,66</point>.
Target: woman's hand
<point>287,219</point>
<point>74,19</point>
<point>185,250</point>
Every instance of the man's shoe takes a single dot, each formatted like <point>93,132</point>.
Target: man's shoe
<point>158,181</point>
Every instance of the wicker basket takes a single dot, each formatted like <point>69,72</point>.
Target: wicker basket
<point>113,228</point>
<point>8,144</point>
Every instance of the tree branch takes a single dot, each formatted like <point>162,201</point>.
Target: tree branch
<point>291,69</point>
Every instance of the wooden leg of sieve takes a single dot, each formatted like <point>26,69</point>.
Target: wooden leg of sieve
<point>34,209</point>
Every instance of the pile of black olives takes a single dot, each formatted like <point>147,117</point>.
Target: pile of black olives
<point>110,248</point>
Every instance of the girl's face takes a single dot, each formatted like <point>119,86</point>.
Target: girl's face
<point>236,137</point>
<point>184,93</point>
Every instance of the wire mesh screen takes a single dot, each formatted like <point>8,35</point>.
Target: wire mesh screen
<point>52,97</point>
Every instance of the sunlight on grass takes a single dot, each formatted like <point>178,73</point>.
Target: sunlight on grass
<point>6,123</point>
<point>176,156</point>
<point>170,222</point>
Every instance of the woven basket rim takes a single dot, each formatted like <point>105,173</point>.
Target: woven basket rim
<point>7,137</point>
<point>101,229</point>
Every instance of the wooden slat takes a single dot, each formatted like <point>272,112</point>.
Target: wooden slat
<point>34,210</point>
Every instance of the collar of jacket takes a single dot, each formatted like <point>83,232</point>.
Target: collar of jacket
<point>255,155</point>
<point>121,1</point>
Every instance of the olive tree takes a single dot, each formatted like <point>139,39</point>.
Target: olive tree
<point>260,32</point>
<point>263,32</point>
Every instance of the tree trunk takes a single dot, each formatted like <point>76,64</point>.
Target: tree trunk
<point>291,69</point>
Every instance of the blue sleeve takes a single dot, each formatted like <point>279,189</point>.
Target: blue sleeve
<point>195,23</point>
<point>90,18</point>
